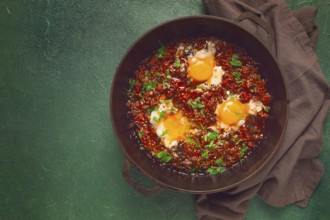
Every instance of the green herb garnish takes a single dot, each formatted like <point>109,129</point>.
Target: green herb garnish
<point>235,61</point>
<point>131,83</point>
<point>205,155</point>
<point>168,75</point>
<point>215,170</point>
<point>211,145</point>
<point>161,51</point>
<point>219,161</point>
<point>266,109</point>
<point>231,97</point>
<point>237,75</point>
<point>195,104</point>
<point>163,133</point>
<point>176,63</point>
<point>193,141</point>
<point>166,84</point>
<point>163,156</point>
<point>243,150</point>
<point>211,136</point>
<point>147,86</point>
<point>158,74</point>
<point>234,56</point>
<point>140,134</point>
<point>161,115</point>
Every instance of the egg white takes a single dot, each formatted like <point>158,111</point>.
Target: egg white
<point>217,71</point>
<point>255,107</point>
<point>159,125</point>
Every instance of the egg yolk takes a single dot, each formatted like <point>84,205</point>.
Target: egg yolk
<point>201,68</point>
<point>176,126</point>
<point>231,112</point>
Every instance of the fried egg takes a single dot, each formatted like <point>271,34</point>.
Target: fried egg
<point>202,67</point>
<point>169,123</point>
<point>231,113</point>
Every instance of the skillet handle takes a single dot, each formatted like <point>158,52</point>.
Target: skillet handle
<point>136,185</point>
<point>261,22</point>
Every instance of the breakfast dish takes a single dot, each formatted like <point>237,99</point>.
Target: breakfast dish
<point>198,105</point>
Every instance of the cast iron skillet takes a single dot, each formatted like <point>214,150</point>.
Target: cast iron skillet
<point>197,26</point>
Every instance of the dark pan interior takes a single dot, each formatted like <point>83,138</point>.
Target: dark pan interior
<point>197,26</point>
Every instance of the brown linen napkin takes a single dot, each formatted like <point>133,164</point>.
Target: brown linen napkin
<point>294,172</point>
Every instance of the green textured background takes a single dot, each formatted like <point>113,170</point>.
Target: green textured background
<point>59,158</point>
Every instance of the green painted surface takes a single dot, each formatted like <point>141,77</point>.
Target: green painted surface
<point>59,158</point>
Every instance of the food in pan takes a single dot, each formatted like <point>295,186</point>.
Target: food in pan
<point>198,105</point>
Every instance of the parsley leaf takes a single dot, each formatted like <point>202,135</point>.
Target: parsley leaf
<point>211,136</point>
<point>176,63</point>
<point>147,86</point>
<point>140,134</point>
<point>215,170</point>
<point>168,74</point>
<point>266,109</point>
<point>219,161</point>
<point>193,141</point>
<point>235,61</point>
<point>161,51</point>
<point>161,115</point>
<point>163,133</point>
<point>211,145</point>
<point>131,83</point>
<point>163,156</point>
<point>205,154</point>
<point>195,104</point>
<point>243,150</point>
<point>166,84</point>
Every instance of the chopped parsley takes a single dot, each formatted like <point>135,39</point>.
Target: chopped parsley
<point>193,141</point>
<point>219,161</point>
<point>166,84</point>
<point>195,104</point>
<point>205,154</point>
<point>161,115</point>
<point>168,74</point>
<point>163,156</point>
<point>131,83</point>
<point>215,170</point>
<point>211,136</point>
<point>243,150</point>
<point>211,145</point>
<point>140,134</point>
<point>176,63</point>
<point>235,61</point>
<point>163,133</point>
<point>161,51</point>
<point>266,109</point>
<point>147,86</point>
<point>237,75</point>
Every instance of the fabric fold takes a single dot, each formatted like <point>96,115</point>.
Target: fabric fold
<point>294,172</point>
